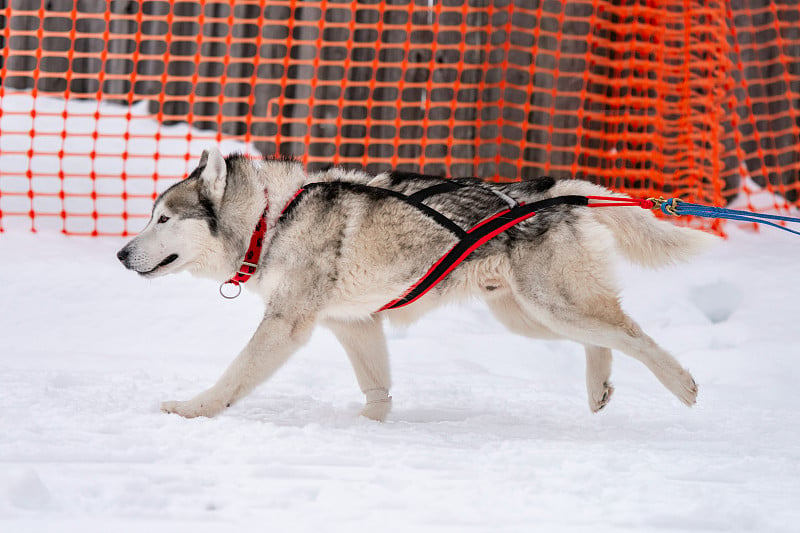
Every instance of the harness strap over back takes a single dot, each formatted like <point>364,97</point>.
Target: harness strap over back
<point>469,240</point>
<point>366,189</point>
<point>476,237</point>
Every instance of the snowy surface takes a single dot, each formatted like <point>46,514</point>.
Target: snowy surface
<point>490,432</point>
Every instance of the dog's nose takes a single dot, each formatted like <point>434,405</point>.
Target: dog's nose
<point>123,254</point>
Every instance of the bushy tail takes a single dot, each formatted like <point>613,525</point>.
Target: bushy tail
<point>640,236</point>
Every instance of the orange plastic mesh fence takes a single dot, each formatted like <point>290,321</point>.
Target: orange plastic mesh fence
<point>695,99</point>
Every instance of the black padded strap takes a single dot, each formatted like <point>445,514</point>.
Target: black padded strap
<point>441,219</point>
<point>435,215</point>
<point>440,188</point>
<point>475,238</point>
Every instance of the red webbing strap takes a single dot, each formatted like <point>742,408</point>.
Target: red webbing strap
<point>616,201</point>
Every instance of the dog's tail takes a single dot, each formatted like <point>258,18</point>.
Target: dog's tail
<point>640,236</point>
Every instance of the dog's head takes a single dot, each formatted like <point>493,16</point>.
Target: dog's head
<point>184,229</point>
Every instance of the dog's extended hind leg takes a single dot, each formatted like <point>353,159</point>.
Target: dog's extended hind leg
<point>598,375</point>
<point>365,344</point>
<point>571,291</point>
<point>271,345</point>
<point>598,360</point>
<point>603,323</point>
<point>511,314</point>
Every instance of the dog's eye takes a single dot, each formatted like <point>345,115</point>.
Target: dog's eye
<point>162,219</point>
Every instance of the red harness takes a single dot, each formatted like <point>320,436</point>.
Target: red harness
<point>470,240</point>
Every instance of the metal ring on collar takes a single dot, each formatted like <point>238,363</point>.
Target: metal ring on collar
<point>230,296</point>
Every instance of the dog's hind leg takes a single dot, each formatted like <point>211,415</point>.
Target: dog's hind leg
<point>598,359</point>
<point>276,338</point>
<point>365,344</point>
<point>598,374</point>
<point>511,314</point>
<point>566,283</point>
<point>597,320</point>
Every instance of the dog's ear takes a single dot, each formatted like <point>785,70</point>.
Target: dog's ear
<point>203,159</point>
<point>213,177</point>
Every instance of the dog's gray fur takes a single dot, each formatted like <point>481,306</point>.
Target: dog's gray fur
<point>340,254</point>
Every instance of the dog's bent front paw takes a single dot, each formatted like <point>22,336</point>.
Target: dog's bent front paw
<point>379,403</point>
<point>191,409</point>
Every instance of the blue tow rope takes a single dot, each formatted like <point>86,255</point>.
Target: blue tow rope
<point>676,207</point>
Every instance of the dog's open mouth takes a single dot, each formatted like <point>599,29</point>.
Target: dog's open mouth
<point>167,260</point>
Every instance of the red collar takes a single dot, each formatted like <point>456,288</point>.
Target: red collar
<point>253,254</point>
<point>251,257</point>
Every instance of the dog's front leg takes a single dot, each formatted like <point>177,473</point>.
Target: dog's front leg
<point>276,338</point>
<point>365,344</point>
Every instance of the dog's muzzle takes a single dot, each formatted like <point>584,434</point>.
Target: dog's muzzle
<point>124,256</point>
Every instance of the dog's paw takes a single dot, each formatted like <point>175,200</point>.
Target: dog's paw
<point>600,397</point>
<point>686,388</point>
<point>377,410</point>
<point>190,409</point>
<point>680,383</point>
<point>678,380</point>
<point>379,403</point>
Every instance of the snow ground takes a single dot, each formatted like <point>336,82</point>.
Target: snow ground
<point>490,432</point>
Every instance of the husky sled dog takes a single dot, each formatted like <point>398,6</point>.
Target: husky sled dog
<point>337,253</point>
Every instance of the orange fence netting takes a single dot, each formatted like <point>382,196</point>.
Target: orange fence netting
<point>103,102</point>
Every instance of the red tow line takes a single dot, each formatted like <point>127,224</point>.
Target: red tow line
<point>616,201</point>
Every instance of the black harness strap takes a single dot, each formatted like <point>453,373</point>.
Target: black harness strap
<point>476,237</point>
<point>443,187</point>
<point>443,221</point>
<point>469,241</point>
